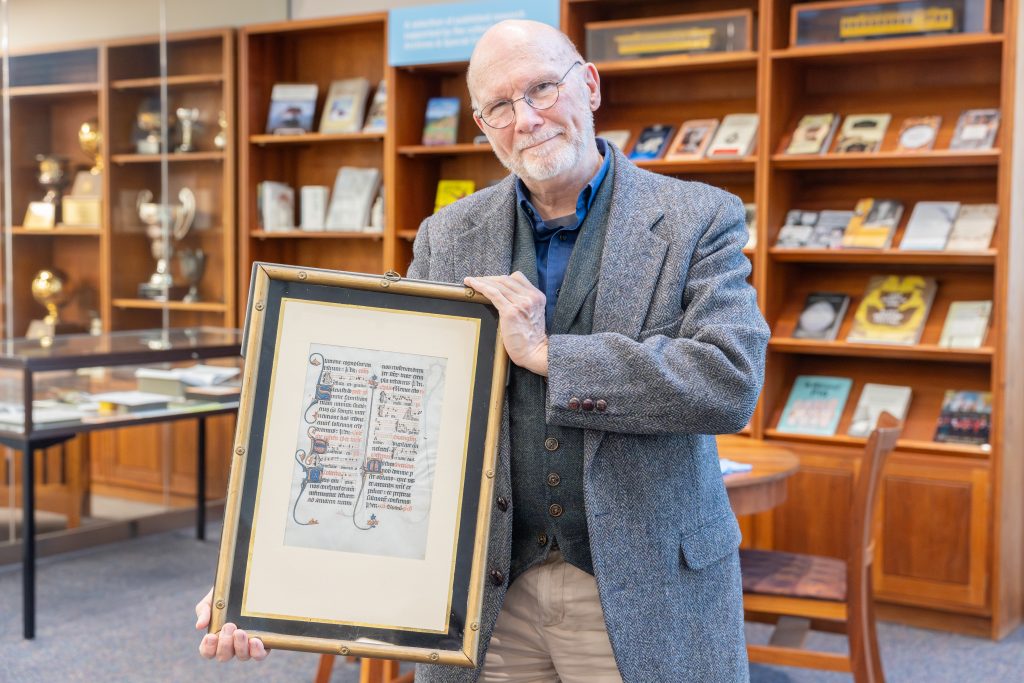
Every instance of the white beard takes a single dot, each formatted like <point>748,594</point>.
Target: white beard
<point>551,159</point>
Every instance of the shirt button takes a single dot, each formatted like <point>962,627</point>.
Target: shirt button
<point>561,238</point>
<point>555,510</point>
<point>542,539</point>
<point>502,503</point>
<point>601,405</point>
<point>574,403</point>
<point>551,443</point>
<point>497,577</point>
<point>554,479</point>
<point>587,404</point>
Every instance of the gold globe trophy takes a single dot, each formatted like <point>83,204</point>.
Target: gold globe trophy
<point>82,206</point>
<point>49,288</point>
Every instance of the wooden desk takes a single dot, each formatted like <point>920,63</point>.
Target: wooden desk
<point>763,487</point>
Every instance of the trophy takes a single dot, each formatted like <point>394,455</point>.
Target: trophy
<point>220,140</point>
<point>161,285</point>
<point>52,174</point>
<point>149,121</point>
<point>49,289</point>
<point>193,264</point>
<point>188,118</point>
<point>82,206</point>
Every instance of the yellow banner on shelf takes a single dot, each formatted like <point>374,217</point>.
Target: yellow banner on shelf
<point>675,40</point>
<point>868,24</point>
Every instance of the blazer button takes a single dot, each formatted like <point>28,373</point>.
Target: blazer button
<point>497,577</point>
<point>574,403</point>
<point>542,539</point>
<point>587,404</point>
<point>554,479</point>
<point>502,503</point>
<point>601,405</point>
<point>555,510</point>
<point>551,443</point>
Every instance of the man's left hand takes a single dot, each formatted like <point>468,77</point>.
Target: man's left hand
<point>521,312</point>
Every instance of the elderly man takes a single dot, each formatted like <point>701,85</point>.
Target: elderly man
<point>634,337</point>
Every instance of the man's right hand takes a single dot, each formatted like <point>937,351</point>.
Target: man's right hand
<point>230,642</point>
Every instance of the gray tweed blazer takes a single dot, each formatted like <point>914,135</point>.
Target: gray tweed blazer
<point>677,353</point>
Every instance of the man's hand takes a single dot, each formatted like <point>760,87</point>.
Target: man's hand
<point>521,311</point>
<point>231,642</point>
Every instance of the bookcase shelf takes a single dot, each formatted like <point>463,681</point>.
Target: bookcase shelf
<point>905,445</point>
<point>445,150</point>
<point>314,138</point>
<point>893,48</point>
<point>307,234</point>
<point>211,79</point>
<point>700,166</point>
<point>54,90</point>
<point>173,157</point>
<point>930,352</point>
<point>883,256</point>
<point>952,158</point>
<point>59,231</point>
<point>408,234</point>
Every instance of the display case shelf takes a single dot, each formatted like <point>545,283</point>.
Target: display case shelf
<point>59,231</point>
<point>315,235</point>
<point>53,90</point>
<point>211,79</point>
<point>703,62</point>
<point>173,157</point>
<point>195,306</point>
<point>894,48</point>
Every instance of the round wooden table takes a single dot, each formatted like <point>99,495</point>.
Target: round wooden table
<point>763,487</point>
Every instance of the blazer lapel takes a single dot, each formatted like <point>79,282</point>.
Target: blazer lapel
<point>486,248</point>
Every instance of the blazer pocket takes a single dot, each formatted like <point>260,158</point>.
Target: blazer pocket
<point>669,329</point>
<point>713,541</point>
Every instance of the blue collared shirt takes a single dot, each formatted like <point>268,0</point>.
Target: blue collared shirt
<point>556,237</point>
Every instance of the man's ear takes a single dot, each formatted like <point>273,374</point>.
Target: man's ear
<point>593,81</point>
<point>479,123</point>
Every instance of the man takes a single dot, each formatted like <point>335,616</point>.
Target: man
<point>634,336</point>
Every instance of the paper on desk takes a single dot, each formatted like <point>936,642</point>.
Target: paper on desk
<point>733,467</point>
<point>195,376</point>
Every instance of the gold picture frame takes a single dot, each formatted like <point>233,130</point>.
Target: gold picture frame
<point>358,504</point>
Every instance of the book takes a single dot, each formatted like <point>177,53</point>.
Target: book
<point>873,224</point>
<point>862,133</point>
<point>797,230</point>
<point>976,129</point>
<point>313,207</point>
<point>157,381</point>
<point>441,121</point>
<point>966,324</point>
<point>929,226</point>
<point>874,400</point>
<point>355,189</point>
<point>815,405</point>
<point>735,137</point>
<point>966,417</point>
<point>750,218</point>
<point>973,228</point>
<point>276,205</point>
<point>220,393</point>
<point>291,108</point>
<point>652,142</point>
<point>692,140</point>
<point>377,116</point>
<point>829,230</point>
<point>813,134</point>
<point>345,106</point>
<point>918,133</point>
<point>124,402</point>
<point>450,191</point>
<point>822,316</point>
<point>618,137</point>
<point>893,310</point>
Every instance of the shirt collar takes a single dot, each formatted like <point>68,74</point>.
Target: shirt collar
<point>587,194</point>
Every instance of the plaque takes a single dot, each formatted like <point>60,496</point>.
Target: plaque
<point>686,34</point>
<point>816,23</point>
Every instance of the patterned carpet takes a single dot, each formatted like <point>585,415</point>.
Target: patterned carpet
<point>124,612</point>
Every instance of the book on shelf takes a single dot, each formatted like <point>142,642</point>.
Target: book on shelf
<point>813,134</point>
<point>874,400</point>
<point>125,402</point>
<point>966,324</point>
<point>973,228</point>
<point>345,106</point>
<point>966,417</point>
<point>355,189</point>
<point>873,224</point>
<point>652,142</point>
<point>918,133</point>
<point>617,136</point>
<point>735,137</point>
<point>929,226</point>
<point>220,393</point>
<point>313,207</point>
<point>291,108</point>
<point>815,405</point>
<point>276,205</point>
<point>862,133</point>
<point>441,121</point>
<point>692,140</point>
<point>829,230</point>
<point>894,310</point>
<point>377,116</point>
<point>450,191</point>
<point>750,218</point>
<point>822,316</point>
<point>797,230</point>
<point>976,129</point>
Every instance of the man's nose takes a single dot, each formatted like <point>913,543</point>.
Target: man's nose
<point>527,118</point>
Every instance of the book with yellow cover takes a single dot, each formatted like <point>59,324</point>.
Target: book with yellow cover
<point>894,310</point>
<point>450,191</point>
<point>873,224</point>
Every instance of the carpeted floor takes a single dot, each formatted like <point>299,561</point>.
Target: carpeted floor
<point>124,612</point>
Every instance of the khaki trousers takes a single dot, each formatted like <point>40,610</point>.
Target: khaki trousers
<point>551,629</point>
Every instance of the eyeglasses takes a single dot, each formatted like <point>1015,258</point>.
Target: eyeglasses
<point>541,96</point>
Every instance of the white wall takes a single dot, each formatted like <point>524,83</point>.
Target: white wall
<point>303,9</point>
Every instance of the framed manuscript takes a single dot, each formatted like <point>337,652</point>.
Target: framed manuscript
<point>359,500</point>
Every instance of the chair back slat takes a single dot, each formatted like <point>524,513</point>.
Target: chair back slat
<point>880,444</point>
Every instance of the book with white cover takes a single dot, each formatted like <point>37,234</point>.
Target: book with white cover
<point>874,400</point>
<point>813,134</point>
<point>277,206</point>
<point>929,226</point>
<point>355,189</point>
<point>736,136</point>
<point>345,106</point>
<point>966,324</point>
<point>973,228</point>
<point>829,230</point>
<point>313,207</point>
<point>798,229</point>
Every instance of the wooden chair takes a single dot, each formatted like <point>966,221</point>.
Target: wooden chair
<point>370,671</point>
<point>801,590</point>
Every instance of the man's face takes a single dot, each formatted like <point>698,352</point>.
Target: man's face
<point>539,145</point>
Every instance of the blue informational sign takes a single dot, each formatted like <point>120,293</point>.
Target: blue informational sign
<point>447,33</point>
